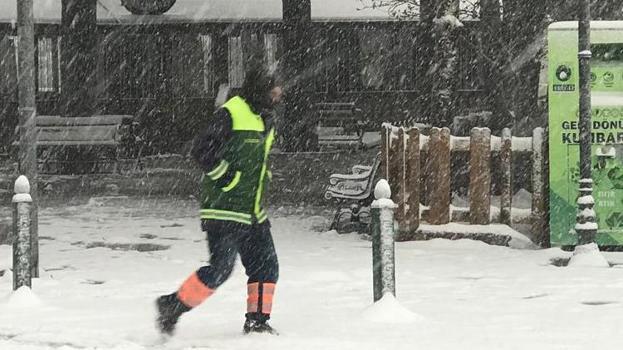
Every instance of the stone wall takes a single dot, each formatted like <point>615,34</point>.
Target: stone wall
<point>298,178</point>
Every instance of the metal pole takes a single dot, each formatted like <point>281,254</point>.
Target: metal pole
<point>298,135</point>
<point>377,267</point>
<point>27,113</point>
<point>78,57</point>
<point>586,226</point>
<point>22,273</point>
<point>383,234</point>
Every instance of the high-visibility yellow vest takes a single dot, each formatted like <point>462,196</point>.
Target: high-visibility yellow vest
<point>246,153</point>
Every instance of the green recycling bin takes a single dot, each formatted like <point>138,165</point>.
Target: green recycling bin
<point>607,130</point>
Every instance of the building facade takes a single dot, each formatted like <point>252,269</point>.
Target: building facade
<point>165,70</point>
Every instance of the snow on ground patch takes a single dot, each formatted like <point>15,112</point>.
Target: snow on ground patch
<point>389,310</point>
<point>522,199</point>
<point>588,256</point>
<point>317,223</point>
<point>470,295</point>
<point>515,239</point>
<point>23,297</point>
<point>6,257</point>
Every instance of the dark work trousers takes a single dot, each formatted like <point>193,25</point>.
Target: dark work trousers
<point>255,245</point>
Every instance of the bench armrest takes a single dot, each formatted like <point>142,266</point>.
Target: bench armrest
<point>359,169</point>
<point>336,178</point>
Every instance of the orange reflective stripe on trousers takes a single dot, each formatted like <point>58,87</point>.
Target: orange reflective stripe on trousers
<point>260,297</point>
<point>193,292</point>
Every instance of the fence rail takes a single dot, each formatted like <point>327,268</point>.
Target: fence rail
<point>419,166</point>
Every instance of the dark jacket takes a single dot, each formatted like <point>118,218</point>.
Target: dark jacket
<point>233,153</point>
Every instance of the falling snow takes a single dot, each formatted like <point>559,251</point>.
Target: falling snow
<point>101,106</point>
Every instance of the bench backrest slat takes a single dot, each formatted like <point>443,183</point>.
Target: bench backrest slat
<point>337,112</point>
<point>341,113</point>
<point>77,133</point>
<point>54,120</point>
<point>336,105</point>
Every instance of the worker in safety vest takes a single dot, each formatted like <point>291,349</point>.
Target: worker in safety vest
<point>233,152</point>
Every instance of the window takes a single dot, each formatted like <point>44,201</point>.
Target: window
<point>47,65</point>
<point>250,46</point>
<point>270,51</point>
<point>147,64</point>
<point>470,71</point>
<point>347,68</point>
<point>8,65</point>
<point>58,63</point>
<point>208,63</point>
<point>469,9</point>
<point>404,60</point>
<point>187,65</point>
<point>236,63</point>
<point>387,60</point>
<point>135,66</point>
<point>321,58</point>
<point>371,58</point>
<point>375,53</point>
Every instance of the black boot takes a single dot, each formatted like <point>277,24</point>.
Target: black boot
<point>258,323</point>
<point>169,311</point>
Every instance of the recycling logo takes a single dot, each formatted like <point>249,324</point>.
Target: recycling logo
<point>608,77</point>
<point>563,73</point>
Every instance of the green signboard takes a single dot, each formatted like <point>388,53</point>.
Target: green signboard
<point>607,130</point>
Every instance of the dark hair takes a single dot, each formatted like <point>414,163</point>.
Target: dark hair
<point>256,87</point>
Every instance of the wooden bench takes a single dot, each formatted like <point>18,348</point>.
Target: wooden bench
<point>339,124</point>
<point>56,133</point>
<point>353,194</point>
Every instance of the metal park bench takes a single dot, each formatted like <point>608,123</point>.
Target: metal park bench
<point>353,193</point>
<point>339,124</point>
<point>56,133</point>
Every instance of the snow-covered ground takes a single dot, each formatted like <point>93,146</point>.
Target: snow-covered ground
<point>451,294</point>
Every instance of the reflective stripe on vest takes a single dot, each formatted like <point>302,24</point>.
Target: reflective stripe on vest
<point>258,196</point>
<point>227,215</point>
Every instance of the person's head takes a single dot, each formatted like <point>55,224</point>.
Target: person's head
<point>261,89</point>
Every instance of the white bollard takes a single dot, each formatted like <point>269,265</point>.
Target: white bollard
<point>22,204</point>
<point>383,257</point>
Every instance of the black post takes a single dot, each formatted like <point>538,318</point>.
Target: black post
<point>27,115</point>
<point>377,267</point>
<point>425,51</point>
<point>586,226</point>
<point>496,85</point>
<point>383,238</point>
<point>298,128</point>
<point>78,58</point>
<point>22,245</point>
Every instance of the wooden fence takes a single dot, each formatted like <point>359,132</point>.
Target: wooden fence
<point>419,166</point>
